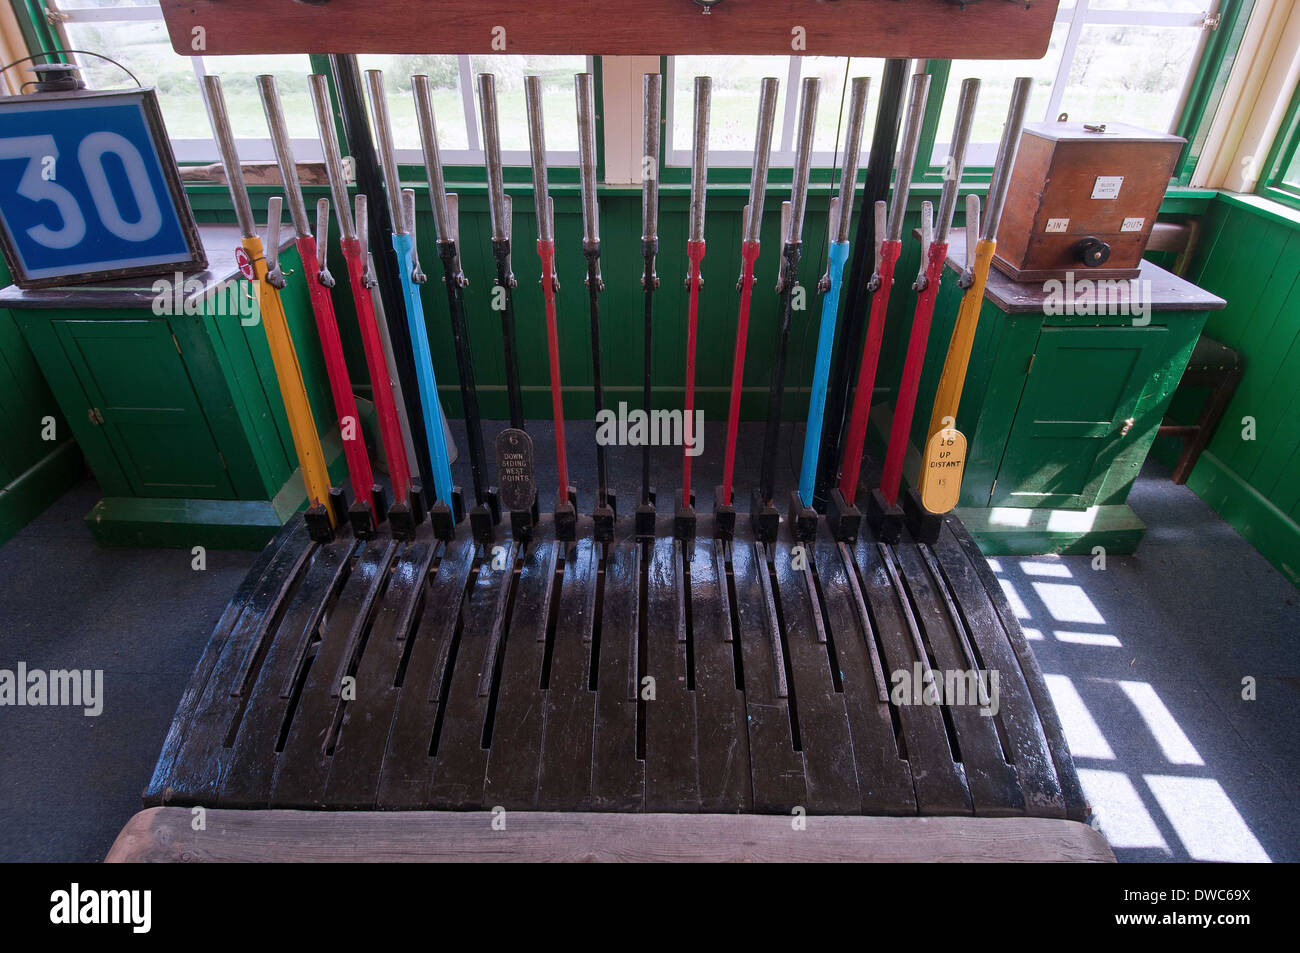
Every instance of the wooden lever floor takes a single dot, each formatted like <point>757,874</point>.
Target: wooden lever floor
<point>655,677</point>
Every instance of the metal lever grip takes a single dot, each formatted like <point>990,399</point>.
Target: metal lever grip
<point>363,241</point>
<point>408,216</point>
<point>972,239</point>
<point>322,239</point>
<point>271,251</point>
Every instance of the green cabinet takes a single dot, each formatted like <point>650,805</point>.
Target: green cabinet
<point>148,430</point>
<point>178,413</point>
<point>1076,415</point>
<point>1059,409</point>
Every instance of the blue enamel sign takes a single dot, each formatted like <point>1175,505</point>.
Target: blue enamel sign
<point>89,189</point>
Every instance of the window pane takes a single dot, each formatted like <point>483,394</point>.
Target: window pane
<point>145,49</point>
<point>1291,176</point>
<point>239,83</point>
<point>559,104</point>
<point>1154,6</point>
<point>443,71</point>
<point>1129,74</point>
<point>996,77</point>
<point>831,70</point>
<point>733,113</point>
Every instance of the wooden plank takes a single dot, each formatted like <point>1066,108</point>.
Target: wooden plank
<point>514,759</point>
<point>1076,806</point>
<point>570,706</point>
<point>269,699</point>
<point>922,28</point>
<point>1024,738</point>
<point>303,769</point>
<point>408,764</point>
<point>460,760</point>
<point>776,768</point>
<point>722,740</point>
<point>165,834</point>
<point>994,788</point>
<point>617,776</point>
<point>156,792</point>
<point>884,779</point>
<point>939,782</point>
<point>672,781</point>
<point>363,736</point>
<point>194,775</point>
<point>829,770</point>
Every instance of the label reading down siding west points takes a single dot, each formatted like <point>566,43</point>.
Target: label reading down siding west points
<point>1058,224</point>
<point>1107,186</point>
<point>1132,224</point>
<point>517,486</point>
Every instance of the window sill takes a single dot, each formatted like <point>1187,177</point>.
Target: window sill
<point>1270,209</point>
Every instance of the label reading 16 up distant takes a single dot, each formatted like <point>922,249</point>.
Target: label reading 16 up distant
<point>941,470</point>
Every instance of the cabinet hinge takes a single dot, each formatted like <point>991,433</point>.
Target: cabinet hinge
<point>222,457</point>
<point>177,343</point>
<point>1030,366</point>
<point>95,416</point>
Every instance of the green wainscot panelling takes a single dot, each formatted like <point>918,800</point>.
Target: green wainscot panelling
<point>621,303</point>
<point>1249,254</point>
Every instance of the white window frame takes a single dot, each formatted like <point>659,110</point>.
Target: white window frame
<point>1080,15</point>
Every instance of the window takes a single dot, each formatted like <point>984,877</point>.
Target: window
<point>1109,60</point>
<point>1281,178</point>
<point>455,104</point>
<point>1118,60</point>
<point>733,110</point>
<point>134,34</point>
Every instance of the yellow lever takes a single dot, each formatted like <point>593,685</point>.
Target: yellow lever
<point>302,425</point>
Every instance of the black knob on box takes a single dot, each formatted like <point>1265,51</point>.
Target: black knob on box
<point>1092,251</point>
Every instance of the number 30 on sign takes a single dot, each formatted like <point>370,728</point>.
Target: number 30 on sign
<point>89,189</point>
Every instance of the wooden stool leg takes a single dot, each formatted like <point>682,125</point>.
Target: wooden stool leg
<point>1211,414</point>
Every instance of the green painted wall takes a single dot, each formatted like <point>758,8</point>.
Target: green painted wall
<point>1250,256</point>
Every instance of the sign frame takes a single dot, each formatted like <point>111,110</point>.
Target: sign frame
<point>146,98</point>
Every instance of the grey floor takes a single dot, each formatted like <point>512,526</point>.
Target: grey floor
<point>1146,661</point>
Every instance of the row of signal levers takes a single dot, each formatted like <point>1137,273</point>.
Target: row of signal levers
<point>517,494</point>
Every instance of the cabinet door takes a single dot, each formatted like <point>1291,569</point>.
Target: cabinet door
<point>1074,417</point>
<point>134,376</point>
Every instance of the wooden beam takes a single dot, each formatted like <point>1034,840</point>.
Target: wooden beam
<point>920,28</point>
<point>166,834</point>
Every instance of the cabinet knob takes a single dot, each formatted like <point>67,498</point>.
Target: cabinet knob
<point>1128,425</point>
